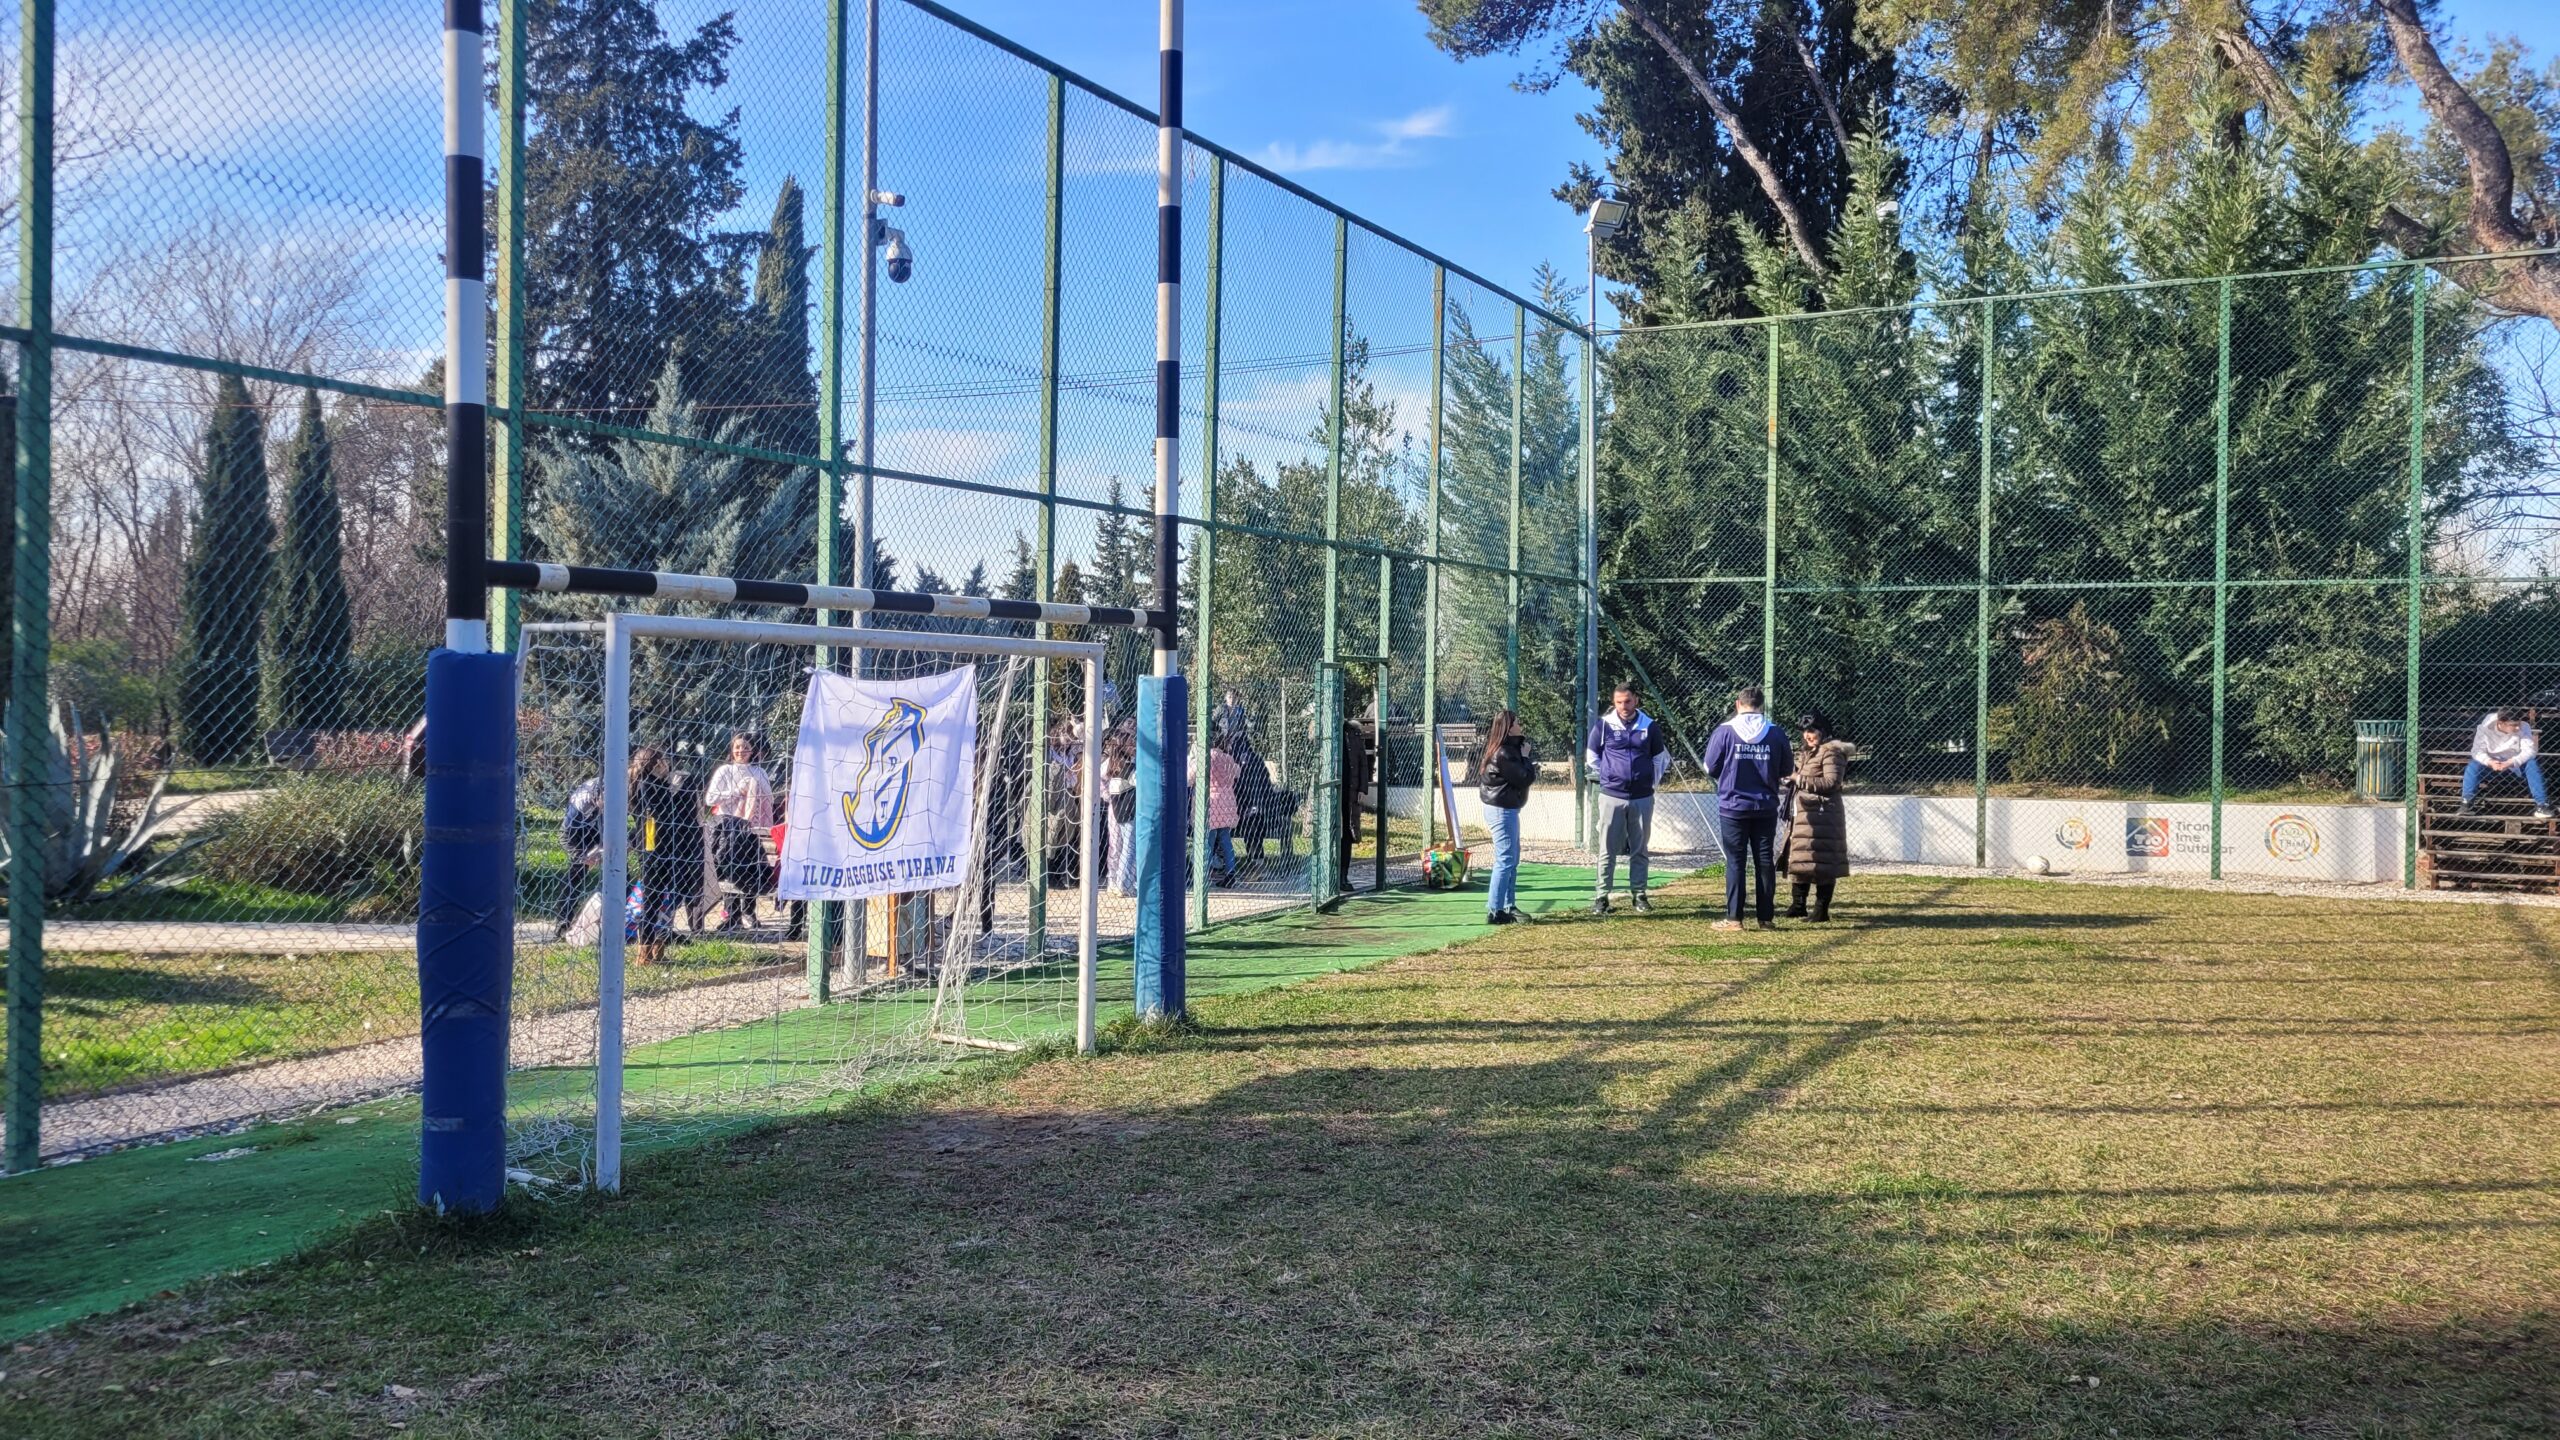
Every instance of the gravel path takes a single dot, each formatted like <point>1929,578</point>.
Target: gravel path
<point>227,1100</point>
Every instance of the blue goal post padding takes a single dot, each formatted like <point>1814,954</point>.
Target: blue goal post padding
<point>1162,854</point>
<point>466,929</point>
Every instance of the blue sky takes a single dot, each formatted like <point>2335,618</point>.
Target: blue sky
<point>1349,98</point>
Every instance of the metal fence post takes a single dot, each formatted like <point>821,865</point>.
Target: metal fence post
<point>1385,707</point>
<point>1769,541</point>
<point>507,606</point>
<point>2221,543</point>
<point>1045,544</point>
<point>1431,574</point>
<point>1588,712</point>
<point>1202,678</point>
<point>30,732</point>
<point>1511,562</point>
<point>1982,600</point>
<point>2417,566</point>
<point>823,916</point>
<point>1333,449</point>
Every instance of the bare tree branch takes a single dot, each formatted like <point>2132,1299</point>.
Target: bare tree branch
<point>1813,79</point>
<point>2526,285</point>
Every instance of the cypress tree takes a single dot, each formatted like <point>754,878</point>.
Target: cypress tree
<point>786,417</point>
<point>228,564</point>
<point>308,633</point>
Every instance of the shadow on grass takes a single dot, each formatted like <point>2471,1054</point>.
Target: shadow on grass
<point>1350,1249</point>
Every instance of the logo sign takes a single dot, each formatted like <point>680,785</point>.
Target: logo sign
<point>2292,839</point>
<point>881,792</point>
<point>2074,834</point>
<point>2147,838</point>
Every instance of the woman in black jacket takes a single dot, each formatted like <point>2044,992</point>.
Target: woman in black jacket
<point>1507,772</point>
<point>669,825</point>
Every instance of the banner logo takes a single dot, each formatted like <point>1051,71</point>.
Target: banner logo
<point>2292,839</point>
<point>877,803</point>
<point>882,798</point>
<point>2074,834</point>
<point>2148,838</point>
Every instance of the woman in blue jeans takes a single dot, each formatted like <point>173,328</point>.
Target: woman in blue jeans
<point>1506,774</point>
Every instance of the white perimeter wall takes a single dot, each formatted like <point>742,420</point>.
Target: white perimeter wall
<point>2352,843</point>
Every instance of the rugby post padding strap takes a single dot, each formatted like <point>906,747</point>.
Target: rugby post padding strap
<point>466,929</point>
<point>1164,716</point>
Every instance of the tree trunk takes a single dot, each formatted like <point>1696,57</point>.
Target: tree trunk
<point>1789,213</point>
<point>2527,285</point>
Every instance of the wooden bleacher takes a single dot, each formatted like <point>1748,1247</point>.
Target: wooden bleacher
<point>2502,847</point>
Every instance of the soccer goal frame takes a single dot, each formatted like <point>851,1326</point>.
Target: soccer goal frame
<point>623,631</point>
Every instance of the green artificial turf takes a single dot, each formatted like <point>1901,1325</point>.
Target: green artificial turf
<point>80,1238</point>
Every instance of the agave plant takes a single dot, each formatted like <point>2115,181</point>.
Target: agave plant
<point>84,850</point>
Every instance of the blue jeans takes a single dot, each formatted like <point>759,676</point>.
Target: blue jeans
<point>1222,852</point>
<point>1502,891</point>
<point>1749,837</point>
<point>2475,772</point>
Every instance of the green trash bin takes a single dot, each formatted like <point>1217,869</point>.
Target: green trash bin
<point>2380,745</point>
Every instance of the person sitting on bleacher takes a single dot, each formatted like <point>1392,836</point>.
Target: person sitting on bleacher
<point>2505,741</point>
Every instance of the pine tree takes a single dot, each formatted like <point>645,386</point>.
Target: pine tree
<point>623,188</point>
<point>308,628</point>
<point>225,597</point>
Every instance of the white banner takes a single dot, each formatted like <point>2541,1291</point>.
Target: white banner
<point>881,797</point>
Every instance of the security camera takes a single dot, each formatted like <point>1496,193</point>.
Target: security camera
<point>900,259</point>
<point>887,197</point>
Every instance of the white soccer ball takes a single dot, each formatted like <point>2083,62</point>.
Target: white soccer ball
<point>2037,864</point>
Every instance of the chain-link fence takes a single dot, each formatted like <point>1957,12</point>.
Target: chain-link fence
<point>2216,576</point>
<point>228,547</point>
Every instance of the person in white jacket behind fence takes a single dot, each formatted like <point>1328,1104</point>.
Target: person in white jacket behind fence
<point>2505,742</point>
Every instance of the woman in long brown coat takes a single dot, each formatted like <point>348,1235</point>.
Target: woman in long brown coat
<point>1817,830</point>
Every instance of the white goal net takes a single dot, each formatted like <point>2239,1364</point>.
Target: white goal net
<point>665,988</point>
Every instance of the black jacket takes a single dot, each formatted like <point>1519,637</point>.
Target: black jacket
<point>1508,775</point>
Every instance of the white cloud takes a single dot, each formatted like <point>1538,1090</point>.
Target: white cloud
<point>1392,144</point>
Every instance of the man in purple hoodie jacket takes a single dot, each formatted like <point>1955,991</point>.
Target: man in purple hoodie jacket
<point>1748,757</point>
<point>1627,756</point>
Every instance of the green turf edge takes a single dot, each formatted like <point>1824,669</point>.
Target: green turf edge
<point>83,1238</point>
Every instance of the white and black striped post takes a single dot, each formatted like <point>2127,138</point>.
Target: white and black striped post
<point>1157,948</point>
<point>466,308</point>
<point>1168,327</point>
<point>466,893</point>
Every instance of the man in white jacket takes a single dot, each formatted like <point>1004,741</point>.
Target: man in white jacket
<point>2505,741</point>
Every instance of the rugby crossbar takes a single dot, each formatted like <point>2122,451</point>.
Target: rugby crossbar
<point>726,590</point>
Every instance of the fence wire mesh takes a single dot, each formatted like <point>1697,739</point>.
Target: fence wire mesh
<point>247,484</point>
<point>2211,576</point>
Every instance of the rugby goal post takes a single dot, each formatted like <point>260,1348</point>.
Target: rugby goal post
<point>625,632</point>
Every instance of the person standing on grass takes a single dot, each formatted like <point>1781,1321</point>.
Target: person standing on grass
<point>1120,796</point>
<point>1356,759</point>
<point>1747,756</point>
<point>670,835</point>
<point>740,799</point>
<point>1817,848</point>
<point>1223,775</point>
<point>1626,751</point>
<point>2505,741</point>
<point>1506,774</point>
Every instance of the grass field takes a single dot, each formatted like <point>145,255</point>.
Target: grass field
<point>114,1019</point>
<point>1983,1158</point>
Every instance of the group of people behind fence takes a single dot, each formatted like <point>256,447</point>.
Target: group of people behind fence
<point>689,841</point>
<point>1777,807</point>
